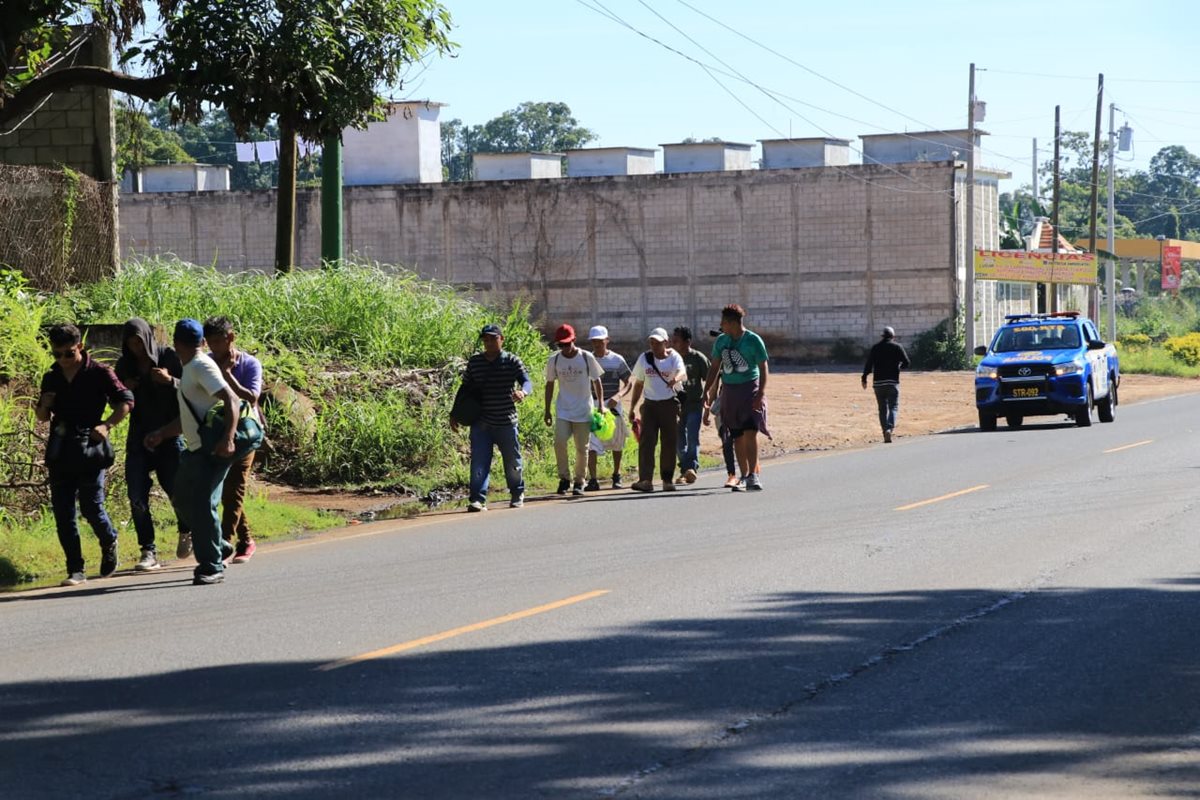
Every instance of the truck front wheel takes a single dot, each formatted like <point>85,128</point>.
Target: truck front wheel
<point>987,421</point>
<point>1083,417</point>
<point>1107,407</point>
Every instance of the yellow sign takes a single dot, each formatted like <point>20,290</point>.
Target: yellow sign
<point>1021,265</point>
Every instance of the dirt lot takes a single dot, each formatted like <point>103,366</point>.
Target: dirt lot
<point>822,410</point>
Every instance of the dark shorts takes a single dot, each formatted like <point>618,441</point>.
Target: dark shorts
<point>737,409</point>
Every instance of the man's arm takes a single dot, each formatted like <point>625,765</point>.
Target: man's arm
<point>868,366</point>
<point>598,390</point>
<point>757,403</point>
<point>710,380</point>
<point>637,395</point>
<point>225,448</point>
<point>549,397</point>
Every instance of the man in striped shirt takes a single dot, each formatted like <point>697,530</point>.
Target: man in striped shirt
<point>500,381</point>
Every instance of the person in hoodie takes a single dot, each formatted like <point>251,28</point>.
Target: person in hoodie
<point>151,371</point>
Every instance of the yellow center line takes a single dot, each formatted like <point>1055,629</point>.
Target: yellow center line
<point>477,626</point>
<point>1128,446</point>
<point>959,493</point>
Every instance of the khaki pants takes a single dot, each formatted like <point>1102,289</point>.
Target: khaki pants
<point>233,500</point>
<point>565,430</point>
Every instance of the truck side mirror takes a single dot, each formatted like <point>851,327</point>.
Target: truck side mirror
<point>1097,345</point>
<point>981,350</point>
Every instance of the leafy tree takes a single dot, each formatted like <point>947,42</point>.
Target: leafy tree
<point>313,66</point>
<point>140,143</point>
<point>530,127</point>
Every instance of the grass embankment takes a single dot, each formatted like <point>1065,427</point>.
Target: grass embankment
<point>377,351</point>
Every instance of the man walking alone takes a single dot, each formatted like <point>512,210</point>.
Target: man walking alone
<point>886,359</point>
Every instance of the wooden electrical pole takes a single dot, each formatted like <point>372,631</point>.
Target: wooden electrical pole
<point>1093,295</point>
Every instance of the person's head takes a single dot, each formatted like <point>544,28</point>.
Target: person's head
<point>492,338</point>
<point>218,333</point>
<point>888,333</point>
<point>681,339</point>
<point>188,339</point>
<point>66,344</point>
<point>657,340</point>
<point>731,319</point>
<point>564,338</point>
<point>134,335</point>
<point>598,336</point>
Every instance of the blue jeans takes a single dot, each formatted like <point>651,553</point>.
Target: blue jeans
<point>888,399</point>
<point>88,488</point>
<point>140,465</point>
<point>483,436</point>
<point>689,440</point>
<point>198,487</point>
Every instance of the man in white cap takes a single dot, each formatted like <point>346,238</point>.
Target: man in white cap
<point>659,374</point>
<point>615,382</point>
<point>886,359</point>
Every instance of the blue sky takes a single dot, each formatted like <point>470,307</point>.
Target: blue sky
<point>910,59</point>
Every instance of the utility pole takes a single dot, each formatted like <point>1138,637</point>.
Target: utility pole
<point>1110,276</point>
<point>1093,300</point>
<point>332,248</point>
<point>1037,200</point>
<point>1052,300</point>
<point>969,326</point>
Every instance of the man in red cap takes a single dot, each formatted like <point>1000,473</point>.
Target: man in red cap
<point>578,374</point>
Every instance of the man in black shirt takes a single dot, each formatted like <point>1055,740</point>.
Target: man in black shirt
<point>499,380</point>
<point>74,394</point>
<point>150,371</point>
<point>886,358</point>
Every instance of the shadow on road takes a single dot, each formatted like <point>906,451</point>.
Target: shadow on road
<point>576,718</point>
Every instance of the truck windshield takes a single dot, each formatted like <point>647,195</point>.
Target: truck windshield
<point>1036,336</point>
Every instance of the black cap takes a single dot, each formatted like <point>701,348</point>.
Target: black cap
<point>491,329</point>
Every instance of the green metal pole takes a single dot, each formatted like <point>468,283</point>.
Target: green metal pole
<point>332,244</point>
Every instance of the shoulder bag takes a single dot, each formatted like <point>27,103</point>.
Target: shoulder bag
<point>247,434</point>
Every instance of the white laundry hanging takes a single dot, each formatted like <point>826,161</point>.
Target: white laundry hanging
<point>245,151</point>
<point>267,151</point>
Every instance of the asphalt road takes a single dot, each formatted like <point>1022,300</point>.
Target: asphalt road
<point>965,615</point>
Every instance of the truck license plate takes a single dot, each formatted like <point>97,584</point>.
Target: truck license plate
<point>1026,391</point>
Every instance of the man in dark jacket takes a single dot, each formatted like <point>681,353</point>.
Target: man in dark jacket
<point>73,396</point>
<point>886,359</point>
<point>151,371</point>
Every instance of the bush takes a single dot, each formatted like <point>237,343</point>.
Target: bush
<point>943,347</point>
<point>1184,348</point>
<point>1134,341</point>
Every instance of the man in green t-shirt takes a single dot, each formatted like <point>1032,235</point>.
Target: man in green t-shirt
<point>739,357</point>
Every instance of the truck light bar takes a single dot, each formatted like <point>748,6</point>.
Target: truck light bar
<point>1055,315</point>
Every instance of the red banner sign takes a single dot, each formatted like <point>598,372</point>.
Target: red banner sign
<point>1172,267</point>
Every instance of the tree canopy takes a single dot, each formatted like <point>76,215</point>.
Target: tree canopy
<point>546,127</point>
<point>1161,200</point>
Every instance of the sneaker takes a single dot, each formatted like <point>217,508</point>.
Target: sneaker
<point>74,579</point>
<point>108,559</point>
<point>681,480</point>
<point>731,482</point>
<point>642,486</point>
<point>184,548</point>
<point>147,562</point>
<point>592,486</point>
<point>738,486</point>
<point>227,550</point>
<point>668,486</point>
<point>887,436</point>
<point>689,476</point>
<point>208,578</point>
<point>517,501</point>
<point>563,486</point>
<point>577,489</point>
<point>617,482</point>
<point>753,482</point>
<point>245,551</point>
<point>476,505</point>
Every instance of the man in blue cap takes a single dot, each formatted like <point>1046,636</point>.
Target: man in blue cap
<point>201,474</point>
<point>499,380</point>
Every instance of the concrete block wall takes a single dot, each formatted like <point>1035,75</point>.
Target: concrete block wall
<point>74,127</point>
<point>815,255</point>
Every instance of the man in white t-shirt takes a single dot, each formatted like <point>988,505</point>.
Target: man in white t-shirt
<point>659,375</point>
<point>201,474</point>
<point>577,374</point>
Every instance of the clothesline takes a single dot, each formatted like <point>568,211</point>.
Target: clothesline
<point>265,152</point>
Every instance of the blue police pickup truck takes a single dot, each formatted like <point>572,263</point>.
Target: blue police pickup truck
<point>1046,364</point>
